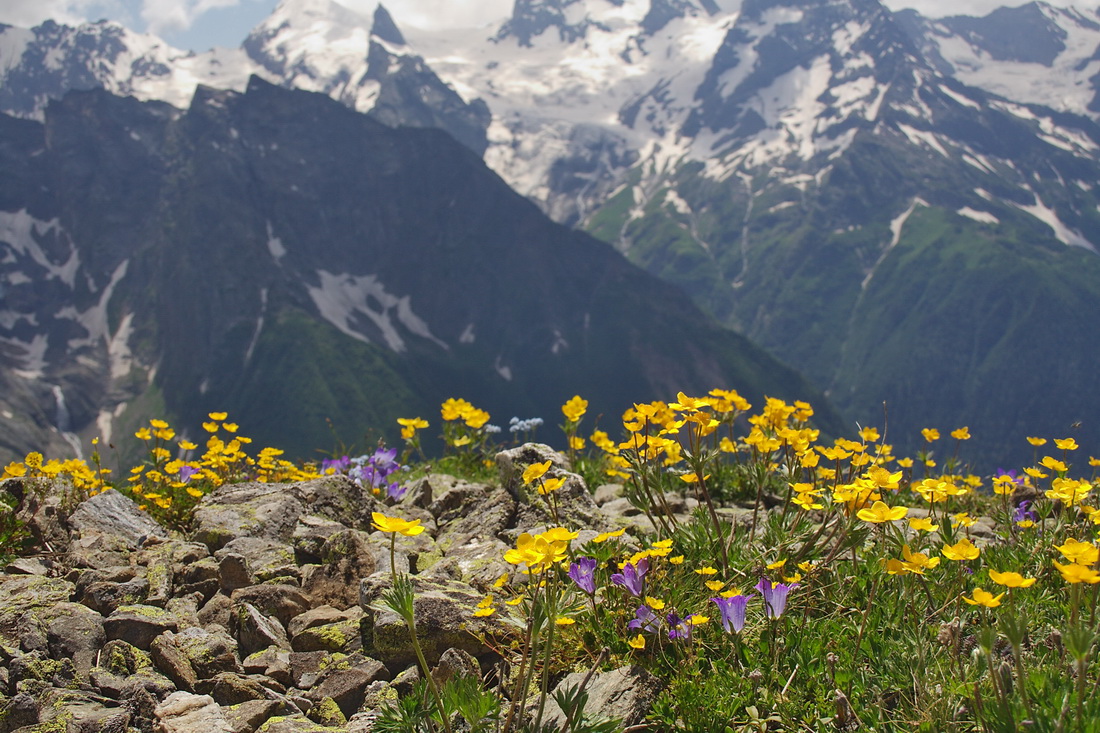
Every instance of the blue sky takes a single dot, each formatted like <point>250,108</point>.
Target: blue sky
<point>201,24</point>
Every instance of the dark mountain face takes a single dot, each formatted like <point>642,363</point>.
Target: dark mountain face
<point>279,256</point>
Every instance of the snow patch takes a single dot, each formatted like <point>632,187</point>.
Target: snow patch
<point>118,348</point>
<point>344,299</point>
<point>922,137</point>
<point>23,232</point>
<point>275,245</point>
<point>259,326</point>
<point>503,370</point>
<point>981,216</point>
<point>1047,215</point>
<point>467,336</point>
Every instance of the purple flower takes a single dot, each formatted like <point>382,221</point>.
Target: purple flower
<point>1022,513</point>
<point>338,465</point>
<point>679,628</point>
<point>583,573</point>
<point>644,620</point>
<point>373,470</point>
<point>1010,475</point>
<point>186,472</point>
<point>775,598</point>
<point>632,577</point>
<point>733,611</point>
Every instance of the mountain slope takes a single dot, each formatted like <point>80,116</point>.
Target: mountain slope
<point>280,256</point>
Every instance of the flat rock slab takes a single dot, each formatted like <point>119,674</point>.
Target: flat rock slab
<point>115,515</point>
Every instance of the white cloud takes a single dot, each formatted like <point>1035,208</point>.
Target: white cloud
<point>438,13</point>
<point>28,13</point>
<point>169,15</point>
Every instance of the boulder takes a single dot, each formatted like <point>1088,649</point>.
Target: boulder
<point>626,694</point>
<point>112,514</point>
<point>184,712</point>
<point>347,557</point>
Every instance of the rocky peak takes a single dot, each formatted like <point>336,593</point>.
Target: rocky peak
<point>384,28</point>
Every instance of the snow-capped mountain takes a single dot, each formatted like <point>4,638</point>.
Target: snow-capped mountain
<point>900,207</point>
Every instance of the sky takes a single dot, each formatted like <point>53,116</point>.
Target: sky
<point>202,24</point>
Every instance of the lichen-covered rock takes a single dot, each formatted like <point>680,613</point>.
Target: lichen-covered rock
<point>76,633</point>
<point>310,535</point>
<point>575,507</point>
<point>112,514</point>
<point>208,650</point>
<point>26,597</point>
<point>139,624</point>
<point>347,683</point>
<point>284,602</point>
<point>255,631</point>
<point>443,611</point>
<point>248,716</point>
<point>265,559</point>
<point>346,558</point>
<point>104,597</point>
<point>272,510</point>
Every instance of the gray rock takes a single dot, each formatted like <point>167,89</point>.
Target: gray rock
<point>255,631</point>
<point>209,650</point>
<point>306,667</point>
<point>576,508</point>
<point>231,688</point>
<point>174,662</point>
<point>341,636</point>
<point>456,662</point>
<point>28,566</point>
<point>320,616</point>
<point>217,610</point>
<point>77,633</point>
<point>250,715</point>
<point>184,712</point>
<point>264,558</point>
<point>139,624</point>
<point>112,514</point>
<point>26,598</point>
<point>472,512</point>
<point>347,685</point>
<point>19,711</point>
<point>606,492</point>
<point>284,602</point>
<point>104,597</point>
<point>626,693</point>
<point>443,611</point>
<point>272,510</point>
<point>310,535</point>
<point>271,662</point>
<point>347,557</point>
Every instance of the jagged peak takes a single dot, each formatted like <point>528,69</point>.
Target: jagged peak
<point>385,28</point>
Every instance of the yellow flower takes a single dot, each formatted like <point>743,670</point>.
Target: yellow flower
<point>869,435</point>
<point>564,621</point>
<point>158,424</point>
<point>416,423</point>
<point>1010,579</point>
<point>930,434</point>
<point>984,598</point>
<point>676,559</point>
<point>210,427</point>
<point>187,445</point>
<point>691,478</point>
<point>14,470</point>
<point>923,524</point>
<point>1083,553</point>
<point>605,536</point>
<point>514,601</point>
<point>964,519</point>
<point>962,433</point>
<point>655,603</point>
<point>1053,464</point>
<point>574,409</point>
<point>638,642</point>
<point>230,427</point>
<point>218,416</point>
<point>395,524</point>
<point>1077,573</point>
<point>714,585</point>
<point>918,562</point>
<point>1037,441</point>
<point>483,612</point>
<point>33,460</point>
<point>964,549</point>
<point>1066,444</point>
<point>534,472</point>
<point>576,442</point>
<point>453,409</point>
<point>550,484</point>
<point>476,418</point>
<point>707,571</point>
<point>879,513</point>
<point>143,434</point>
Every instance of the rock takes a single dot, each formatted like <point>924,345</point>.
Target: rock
<point>327,712</point>
<point>233,572</point>
<point>18,711</point>
<point>139,624</point>
<point>71,710</point>
<point>342,636</point>
<point>295,724</point>
<point>272,510</point>
<point>264,559</point>
<point>479,562</point>
<point>606,492</point>
<point>310,535</point>
<point>202,576</point>
<point>626,693</point>
<point>217,610</point>
<point>347,685</point>
<point>209,650</point>
<point>230,688</point>
<point>98,550</point>
<point>455,662</point>
<point>347,557</point>
<point>284,602</point>
<point>173,662</point>
<point>184,712</point>
<point>104,597</point>
<point>443,611</point>
<point>255,631</point>
<point>271,662</point>
<point>77,634</point>
<point>112,514</point>
<point>306,667</point>
<point>320,616</point>
<point>41,509</point>
<point>472,512</point>
<point>250,715</point>
<point>28,596</point>
<point>576,508</point>
<point>28,566</point>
